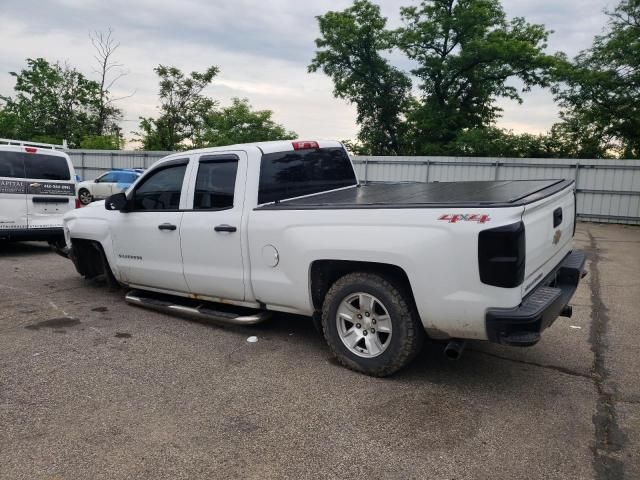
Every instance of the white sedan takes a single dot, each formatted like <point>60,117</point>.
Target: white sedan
<point>106,184</point>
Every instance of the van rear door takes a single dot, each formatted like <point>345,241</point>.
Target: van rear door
<point>549,227</point>
<point>13,200</point>
<point>51,187</point>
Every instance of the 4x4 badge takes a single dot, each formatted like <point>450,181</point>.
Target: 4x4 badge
<point>556,237</point>
<point>465,217</point>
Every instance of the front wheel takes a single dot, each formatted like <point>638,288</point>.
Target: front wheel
<point>85,196</point>
<point>370,324</point>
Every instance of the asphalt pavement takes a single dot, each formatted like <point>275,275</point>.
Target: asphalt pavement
<point>93,388</point>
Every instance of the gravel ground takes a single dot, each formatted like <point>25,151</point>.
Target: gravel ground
<point>92,388</point>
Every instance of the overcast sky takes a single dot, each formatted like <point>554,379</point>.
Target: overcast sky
<point>261,47</point>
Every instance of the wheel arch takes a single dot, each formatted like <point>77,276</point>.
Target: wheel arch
<point>324,273</point>
<point>90,259</point>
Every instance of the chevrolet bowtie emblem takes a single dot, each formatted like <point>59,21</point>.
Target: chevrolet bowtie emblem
<point>556,237</point>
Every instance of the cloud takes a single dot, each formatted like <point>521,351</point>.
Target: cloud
<point>262,49</point>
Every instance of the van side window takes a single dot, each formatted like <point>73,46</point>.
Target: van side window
<point>46,167</point>
<point>11,165</point>
<point>215,183</point>
<point>161,189</point>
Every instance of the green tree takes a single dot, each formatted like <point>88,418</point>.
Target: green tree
<point>182,110</point>
<point>102,142</point>
<point>350,51</point>
<point>238,123</point>
<point>467,56</point>
<point>496,142</point>
<point>52,102</point>
<point>600,93</point>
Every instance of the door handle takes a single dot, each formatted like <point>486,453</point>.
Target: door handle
<point>225,228</point>
<point>166,226</point>
<point>557,217</point>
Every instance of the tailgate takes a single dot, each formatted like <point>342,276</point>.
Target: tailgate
<point>549,227</point>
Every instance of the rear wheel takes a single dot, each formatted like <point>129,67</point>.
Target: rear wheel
<point>370,324</point>
<point>85,196</point>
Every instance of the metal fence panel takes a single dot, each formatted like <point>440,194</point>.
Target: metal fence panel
<point>90,164</point>
<point>607,190</point>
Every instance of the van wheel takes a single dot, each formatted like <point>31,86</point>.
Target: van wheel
<point>370,324</point>
<point>85,196</point>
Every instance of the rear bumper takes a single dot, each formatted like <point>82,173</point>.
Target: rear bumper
<point>522,325</point>
<point>33,234</point>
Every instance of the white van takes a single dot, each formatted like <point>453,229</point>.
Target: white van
<point>37,187</point>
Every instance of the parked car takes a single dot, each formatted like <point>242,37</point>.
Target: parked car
<point>107,184</point>
<point>36,190</point>
<point>287,227</point>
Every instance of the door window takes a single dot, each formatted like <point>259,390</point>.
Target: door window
<point>11,165</point>
<point>107,178</point>
<point>215,183</point>
<point>161,189</point>
<point>46,167</point>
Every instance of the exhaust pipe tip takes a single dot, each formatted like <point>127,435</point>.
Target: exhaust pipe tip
<point>567,311</point>
<point>454,349</point>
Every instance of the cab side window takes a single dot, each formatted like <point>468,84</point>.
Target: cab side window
<point>161,189</point>
<point>215,183</point>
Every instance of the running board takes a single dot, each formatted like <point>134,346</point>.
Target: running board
<point>200,311</point>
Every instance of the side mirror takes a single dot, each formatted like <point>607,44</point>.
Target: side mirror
<point>96,180</point>
<point>116,202</point>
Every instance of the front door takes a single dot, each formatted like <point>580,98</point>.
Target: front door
<point>211,231</point>
<point>103,186</point>
<point>147,236</point>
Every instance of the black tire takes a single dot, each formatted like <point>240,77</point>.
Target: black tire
<point>85,196</point>
<point>407,335</point>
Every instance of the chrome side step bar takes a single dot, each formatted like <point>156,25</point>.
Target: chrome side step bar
<point>202,311</point>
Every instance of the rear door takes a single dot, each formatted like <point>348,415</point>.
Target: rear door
<point>549,226</point>
<point>211,231</point>
<point>51,188</point>
<point>13,199</point>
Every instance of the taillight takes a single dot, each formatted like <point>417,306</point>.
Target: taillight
<point>78,204</point>
<point>304,145</point>
<point>501,255</point>
<point>30,149</point>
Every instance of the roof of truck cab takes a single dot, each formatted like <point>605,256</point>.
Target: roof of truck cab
<point>265,147</point>
<point>502,193</point>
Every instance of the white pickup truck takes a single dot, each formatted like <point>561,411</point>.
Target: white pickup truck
<point>233,233</point>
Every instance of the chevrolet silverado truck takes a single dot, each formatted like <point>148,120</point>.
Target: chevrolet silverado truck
<point>234,233</point>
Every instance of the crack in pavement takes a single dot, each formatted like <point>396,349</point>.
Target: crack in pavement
<point>556,368</point>
<point>609,439</point>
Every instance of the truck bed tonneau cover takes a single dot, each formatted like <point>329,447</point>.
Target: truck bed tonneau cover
<point>502,193</point>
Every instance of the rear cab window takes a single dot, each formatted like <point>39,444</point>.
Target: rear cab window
<point>296,173</point>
